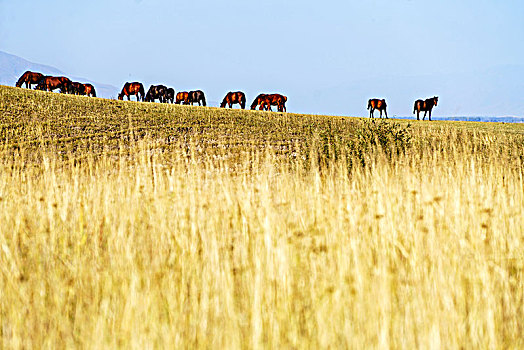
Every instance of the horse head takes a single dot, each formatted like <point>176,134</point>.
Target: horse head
<point>435,99</point>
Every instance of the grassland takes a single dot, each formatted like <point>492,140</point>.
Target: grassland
<point>137,225</point>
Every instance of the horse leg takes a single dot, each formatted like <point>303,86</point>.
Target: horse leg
<point>430,115</point>
<point>418,114</point>
<point>424,117</point>
<point>386,112</point>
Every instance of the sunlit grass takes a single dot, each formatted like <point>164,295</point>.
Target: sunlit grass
<point>225,229</point>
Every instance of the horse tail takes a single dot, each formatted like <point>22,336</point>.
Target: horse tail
<point>141,91</point>
<point>415,107</point>
<point>369,104</point>
<point>93,91</point>
<point>243,101</point>
<point>203,99</point>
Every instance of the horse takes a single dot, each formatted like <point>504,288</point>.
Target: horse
<point>259,100</point>
<point>426,106</point>
<point>276,100</point>
<point>29,78</point>
<point>181,97</point>
<point>234,97</point>
<point>49,83</point>
<point>169,95</point>
<point>78,88</point>
<point>89,90</point>
<point>156,92</point>
<point>196,96</point>
<point>134,88</point>
<point>376,103</point>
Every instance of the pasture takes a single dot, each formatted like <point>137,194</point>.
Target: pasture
<point>140,225</point>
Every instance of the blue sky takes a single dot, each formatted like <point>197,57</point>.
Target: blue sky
<point>293,47</point>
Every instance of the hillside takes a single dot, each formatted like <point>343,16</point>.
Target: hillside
<point>146,225</point>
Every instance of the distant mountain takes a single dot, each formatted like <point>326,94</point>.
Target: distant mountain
<point>12,67</point>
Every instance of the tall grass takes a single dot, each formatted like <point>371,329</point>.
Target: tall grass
<point>395,238</point>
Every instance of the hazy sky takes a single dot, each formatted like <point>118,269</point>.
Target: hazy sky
<point>262,46</point>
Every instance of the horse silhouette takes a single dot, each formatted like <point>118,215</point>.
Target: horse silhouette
<point>378,104</point>
<point>426,106</point>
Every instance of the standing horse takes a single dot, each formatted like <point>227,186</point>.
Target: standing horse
<point>134,88</point>
<point>156,92</point>
<point>89,90</point>
<point>196,96</point>
<point>29,78</point>
<point>181,97</point>
<point>426,106</point>
<point>169,95</point>
<point>234,97</point>
<point>376,103</point>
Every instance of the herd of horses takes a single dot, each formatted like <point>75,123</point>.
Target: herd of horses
<point>167,95</point>
<point>50,83</point>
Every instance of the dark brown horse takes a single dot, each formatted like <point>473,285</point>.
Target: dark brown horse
<point>426,106</point>
<point>134,88</point>
<point>196,96</point>
<point>181,97</point>
<point>261,100</point>
<point>77,88</point>
<point>169,95</point>
<point>376,103</point>
<point>234,97</point>
<point>29,78</point>
<point>49,83</point>
<point>89,90</point>
<point>156,92</point>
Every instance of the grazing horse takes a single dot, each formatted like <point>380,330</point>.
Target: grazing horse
<point>78,88</point>
<point>181,97</point>
<point>426,106</point>
<point>134,88</point>
<point>89,90</point>
<point>276,100</point>
<point>29,78</point>
<point>156,92</point>
<point>196,96</point>
<point>260,100</point>
<point>375,103</point>
<point>234,97</point>
<point>49,83</point>
<point>169,95</point>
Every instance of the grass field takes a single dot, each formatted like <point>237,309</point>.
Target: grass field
<point>138,225</point>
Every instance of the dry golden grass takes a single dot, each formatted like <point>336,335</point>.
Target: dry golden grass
<point>228,229</point>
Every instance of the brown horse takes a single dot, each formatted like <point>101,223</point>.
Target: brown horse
<point>134,88</point>
<point>426,106</point>
<point>89,90</point>
<point>78,88</point>
<point>261,100</point>
<point>234,97</point>
<point>181,97</point>
<point>49,83</point>
<point>276,100</point>
<point>376,103</point>
<point>29,78</point>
